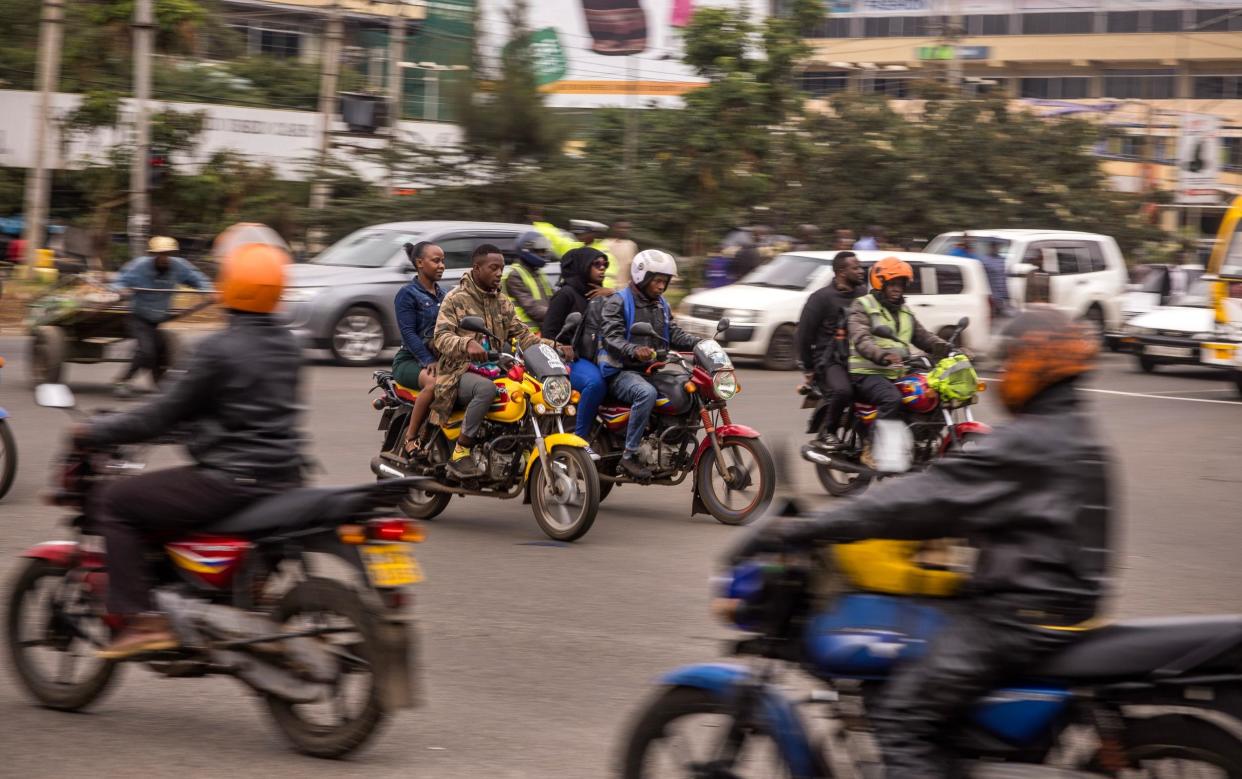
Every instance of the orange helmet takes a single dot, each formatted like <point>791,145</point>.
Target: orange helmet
<point>1040,348</point>
<point>888,269</point>
<point>252,278</point>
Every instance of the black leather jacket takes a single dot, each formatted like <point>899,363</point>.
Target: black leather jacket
<point>646,310</point>
<point>238,400</point>
<point>1034,499</point>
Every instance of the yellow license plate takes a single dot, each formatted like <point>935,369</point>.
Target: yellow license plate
<point>391,565</point>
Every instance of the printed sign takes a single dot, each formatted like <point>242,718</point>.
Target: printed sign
<point>1198,159</point>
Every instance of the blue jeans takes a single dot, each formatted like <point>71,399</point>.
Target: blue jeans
<point>585,377</point>
<point>633,390</point>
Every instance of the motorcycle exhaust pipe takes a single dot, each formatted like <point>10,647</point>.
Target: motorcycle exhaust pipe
<point>385,471</point>
<point>811,454</point>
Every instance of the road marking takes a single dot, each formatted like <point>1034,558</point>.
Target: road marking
<point>1192,392</point>
<point>1155,397</point>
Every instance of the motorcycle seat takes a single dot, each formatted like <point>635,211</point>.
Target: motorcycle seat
<point>405,393</point>
<point>612,409</point>
<point>1148,647</point>
<point>310,506</point>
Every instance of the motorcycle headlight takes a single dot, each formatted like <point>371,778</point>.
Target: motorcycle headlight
<point>556,390</point>
<point>724,384</point>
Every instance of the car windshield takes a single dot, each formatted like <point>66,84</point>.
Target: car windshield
<point>979,245</point>
<point>365,248</point>
<point>788,271</point>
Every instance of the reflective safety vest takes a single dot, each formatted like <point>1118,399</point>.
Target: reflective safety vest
<point>563,242</point>
<point>902,325</point>
<point>536,283</point>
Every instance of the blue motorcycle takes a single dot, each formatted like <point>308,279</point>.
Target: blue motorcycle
<point>8,451</point>
<point>1144,698</point>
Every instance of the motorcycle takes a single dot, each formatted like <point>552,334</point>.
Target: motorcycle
<point>523,446</point>
<point>936,401</point>
<point>8,451</point>
<point>1144,698</point>
<point>326,644</point>
<point>734,473</point>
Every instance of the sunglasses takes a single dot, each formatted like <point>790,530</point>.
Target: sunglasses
<point>601,263</point>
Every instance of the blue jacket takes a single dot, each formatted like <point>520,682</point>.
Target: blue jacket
<point>417,310</point>
<point>141,274</point>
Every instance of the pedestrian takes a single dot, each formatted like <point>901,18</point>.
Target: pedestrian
<point>807,238</point>
<point>151,281</point>
<point>583,232</point>
<point>998,282</point>
<point>620,247</point>
<point>961,248</point>
<point>872,239</point>
<point>842,239</point>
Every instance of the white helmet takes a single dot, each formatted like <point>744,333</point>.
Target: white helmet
<point>649,262</point>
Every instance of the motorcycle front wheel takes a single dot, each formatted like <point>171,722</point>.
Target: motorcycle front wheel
<point>8,457</point>
<point>352,714</point>
<point>749,489</point>
<point>681,735</point>
<point>564,494</point>
<point>52,643</point>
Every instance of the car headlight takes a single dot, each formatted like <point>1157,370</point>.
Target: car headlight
<point>738,315</point>
<point>724,384</point>
<point>299,294</point>
<point>556,390</point>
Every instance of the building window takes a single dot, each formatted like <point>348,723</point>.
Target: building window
<point>1231,150</point>
<point>824,83</point>
<point>1140,84</point>
<point>1216,87</point>
<point>1058,24</point>
<point>1218,20</point>
<point>833,28</point>
<point>1123,21</point>
<point>279,43</point>
<point>1128,147</point>
<point>986,24</point>
<point>1160,149</point>
<point>897,27</point>
<point>1055,88</point>
<point>987,86</point>
<point>897,88</point>
<point>1165,21</point>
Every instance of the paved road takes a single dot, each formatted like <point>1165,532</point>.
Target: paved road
<point>534,655</point>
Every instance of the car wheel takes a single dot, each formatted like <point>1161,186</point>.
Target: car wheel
<point>1147,364</point>
<point>357,337</point>
<point>781,350</point>
<point>1237,382</point>
<point>1094,319</point>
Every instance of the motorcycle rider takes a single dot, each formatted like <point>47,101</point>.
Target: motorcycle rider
<point>1035,500</point>
<point>462,375</point>
<point>624,357</point>
<point>822,346</point>
<point>876,362</point>
<point>525,282</point>
<point>239,397</point>
<point>582,278</point>
<point>417,305</point>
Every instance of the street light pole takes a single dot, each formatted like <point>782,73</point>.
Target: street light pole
<point>139,203</point>
<point>37,178</point>
<point>329,71</point>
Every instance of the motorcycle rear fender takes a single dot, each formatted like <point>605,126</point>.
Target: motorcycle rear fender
<point>965,428</point>
<point>62,554</point>
<point>722,432</point>
<point>723,679</point>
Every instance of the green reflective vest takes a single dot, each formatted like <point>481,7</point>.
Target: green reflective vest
<point>538,286</point>
<point>902,325</point>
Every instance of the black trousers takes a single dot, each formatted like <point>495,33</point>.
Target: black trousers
<point>925,700</point>
<point>133,513</point>
<point>835,378</point>
<point>879,391</point>
<point>148,349</point>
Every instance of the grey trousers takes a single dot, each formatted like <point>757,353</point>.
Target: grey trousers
<point>476,393</point>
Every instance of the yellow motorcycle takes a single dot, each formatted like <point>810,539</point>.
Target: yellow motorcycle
<point>523,448</point>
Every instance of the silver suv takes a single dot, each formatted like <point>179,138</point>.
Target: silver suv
<point>342,300</point>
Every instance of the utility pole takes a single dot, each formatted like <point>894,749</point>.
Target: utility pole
<point>330,69</point>
<point>38,178</point>
<point>396,74</point>
<point>630,148</point>
<point>955,36</point>
<point>139,203</point>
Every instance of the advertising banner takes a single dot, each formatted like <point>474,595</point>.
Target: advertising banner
<point>1198,159</point>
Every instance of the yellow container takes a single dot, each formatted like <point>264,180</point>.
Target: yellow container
<point>889,567</point>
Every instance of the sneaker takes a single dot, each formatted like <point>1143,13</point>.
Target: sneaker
<point>122,390</point>
<point>463,465</point>
<point>143,634</point>
<point>634,469</point>
<point>867,458</point>
<point>828,442</point>
<point>591,453</point>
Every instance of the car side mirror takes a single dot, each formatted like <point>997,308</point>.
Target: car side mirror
<point>406,267</point>
<point>1022,270</point>
<point>642,328</point>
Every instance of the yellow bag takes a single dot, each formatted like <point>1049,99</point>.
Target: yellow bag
<point>890,567</point>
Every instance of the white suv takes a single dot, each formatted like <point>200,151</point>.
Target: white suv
<point>763,308</point>
<point>1086,272</point>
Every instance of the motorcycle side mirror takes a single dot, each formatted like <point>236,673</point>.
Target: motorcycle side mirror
<point>474,324</point>
<point>642,328</point>
<point>571,324</point>
<point>722,325</point>
<point>884,331</point>
<point>963,323</point>
<point>54,396</point>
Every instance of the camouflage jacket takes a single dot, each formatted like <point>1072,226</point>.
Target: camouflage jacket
<point>468,299</point>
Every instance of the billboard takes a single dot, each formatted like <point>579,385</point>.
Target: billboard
<point>1198,159</point>
<point>590,53</point>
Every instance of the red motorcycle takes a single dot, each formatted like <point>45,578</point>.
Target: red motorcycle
<point>329,654</point>
<point>734,473</point>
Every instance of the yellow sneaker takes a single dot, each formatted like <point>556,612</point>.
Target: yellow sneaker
<point>462,464</point>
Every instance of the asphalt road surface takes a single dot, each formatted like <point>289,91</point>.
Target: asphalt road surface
<point>535,655</point>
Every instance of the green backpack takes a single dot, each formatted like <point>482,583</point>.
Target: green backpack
<point>954,378</point>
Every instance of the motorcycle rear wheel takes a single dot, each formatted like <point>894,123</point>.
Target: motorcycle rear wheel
<point>314,600</point>
<point>1162,745</point>
<point>423,504</point>
<point>77,691</point>
<point>8,457</point>
<point>670,716</point>
<point>840,484</point>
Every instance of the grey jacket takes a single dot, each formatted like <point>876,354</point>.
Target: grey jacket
<point>859,324</point>
<point>239,400</point>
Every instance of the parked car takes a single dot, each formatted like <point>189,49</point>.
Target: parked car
<point>1173,334</point>
<point>764,306</point>
<point>342,299</point>
<point>1161,285</point>
<point>1085,273</point>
